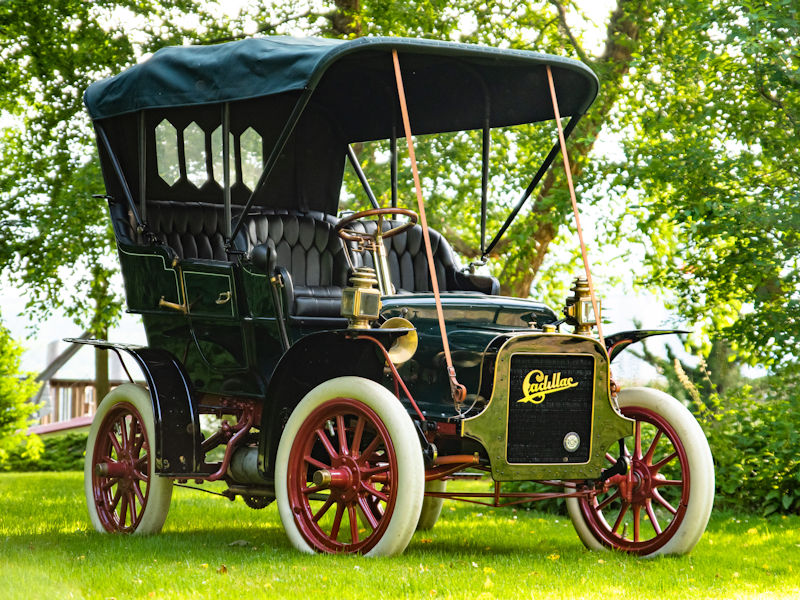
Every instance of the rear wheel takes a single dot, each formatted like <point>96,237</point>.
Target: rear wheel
<point>431,506</point>
<point>349,473</point>
<point>673,483</point>
<point>123,492</point>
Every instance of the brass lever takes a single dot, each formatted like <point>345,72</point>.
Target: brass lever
<point>173,305</point>
<point>224,297</point>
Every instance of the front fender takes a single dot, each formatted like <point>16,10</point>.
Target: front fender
<point>619,341</point>
<point>312,360</point>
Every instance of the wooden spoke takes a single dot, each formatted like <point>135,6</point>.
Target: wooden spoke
<point>112,437</point>
<point>353,518</point>
<point>337,521</point>
<point>660,499</point>
<point>374,492</point>
<point>323,509</point>
<point>115,500</point>
<point>326,443</point>
<point>367,510</point>
<point>648,457</point>
<point>138,492</point>
<point>341,432</point>
<point>358,433</point>
<point>316,463</point>
<point>623,509</point>
<point>660,464</point>
<point>652,516</point>
<point>608,500</point>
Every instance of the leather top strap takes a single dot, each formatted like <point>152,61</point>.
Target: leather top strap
<point>457,390</point>
<point>568,171</point>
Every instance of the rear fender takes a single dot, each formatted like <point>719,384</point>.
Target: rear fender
<point>178,435</point>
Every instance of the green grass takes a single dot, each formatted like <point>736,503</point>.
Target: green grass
<point>213,548</point>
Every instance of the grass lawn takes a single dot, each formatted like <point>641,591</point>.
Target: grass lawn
<point>213,548</point>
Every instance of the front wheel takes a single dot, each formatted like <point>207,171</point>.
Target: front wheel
<point>349,474</point>
<point>123,492</point>
<point>668,507</point>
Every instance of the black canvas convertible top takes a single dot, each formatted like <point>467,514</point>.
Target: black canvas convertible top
<point>306,99</point>
<point>447,83</point>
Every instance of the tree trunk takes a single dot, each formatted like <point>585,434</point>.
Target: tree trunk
<point>547,215</point>
<point>99,329</point>
<point>344,20</point>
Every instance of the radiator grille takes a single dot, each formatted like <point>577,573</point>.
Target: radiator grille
<point>549,397</point>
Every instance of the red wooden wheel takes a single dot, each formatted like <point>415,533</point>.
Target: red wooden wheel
<point>121,467</point>
<point>342,477</point>
<point>665,506</point>
<point>349,474</point>
<point>659,496</point>
<point>123,492</point>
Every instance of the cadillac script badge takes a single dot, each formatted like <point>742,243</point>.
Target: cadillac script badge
<point>537,385</point>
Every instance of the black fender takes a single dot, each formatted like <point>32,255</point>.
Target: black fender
<point>619,341</point>
<point>331,354</point>
<point>177,423</point>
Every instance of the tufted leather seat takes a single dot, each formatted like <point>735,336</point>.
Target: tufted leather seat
<point>192,231</point>
<point>310,254</point>
<point>307,251</point>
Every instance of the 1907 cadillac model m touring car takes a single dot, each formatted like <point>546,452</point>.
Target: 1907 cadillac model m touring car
<point>352,367</point>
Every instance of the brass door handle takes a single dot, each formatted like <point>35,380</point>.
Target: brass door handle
<point>224,297</point>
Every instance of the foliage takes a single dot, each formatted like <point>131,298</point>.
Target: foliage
<point>450,164</point>
<point>754,439</point>
<point>752,427</point>
<point>711,131</point>
<point>16,390</point>
<point>54,235</point>
<point>59,453</point>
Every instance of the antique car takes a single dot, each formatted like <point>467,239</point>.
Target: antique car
<point>348,366</point>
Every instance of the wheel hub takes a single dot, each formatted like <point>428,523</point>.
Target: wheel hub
<point>642,483</point>
<point>344,479</point>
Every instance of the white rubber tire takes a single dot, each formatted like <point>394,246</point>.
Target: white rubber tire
<point>431,507</point>
<point>159,493</point>
<point>700,467</point>
<point>410,465</point>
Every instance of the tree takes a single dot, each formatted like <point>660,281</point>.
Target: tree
<point>715,162</point>
<point>450,164</point>
<point>16,409</point>
<point>702,95</point>
<point>57,243</point>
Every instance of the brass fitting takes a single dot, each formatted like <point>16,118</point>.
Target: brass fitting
<point>578,309</point>
<point>361,302</point>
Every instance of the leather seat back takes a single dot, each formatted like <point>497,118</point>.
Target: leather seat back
<point>304,244</point>
<point>191,230</point>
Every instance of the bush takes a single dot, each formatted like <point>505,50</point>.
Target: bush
<point>61,453</point>
<point>16,411</point>
<point>755,442</point>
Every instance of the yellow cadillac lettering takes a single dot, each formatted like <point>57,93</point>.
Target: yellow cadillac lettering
<point>536,390</point>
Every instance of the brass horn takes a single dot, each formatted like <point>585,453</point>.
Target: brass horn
<point>405,346</point>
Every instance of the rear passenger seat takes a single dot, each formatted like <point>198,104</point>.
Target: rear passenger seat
<point>304,246</point>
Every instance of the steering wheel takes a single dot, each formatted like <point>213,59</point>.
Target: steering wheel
<point>341,228</point>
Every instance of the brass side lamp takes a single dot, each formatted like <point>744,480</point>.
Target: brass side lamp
<point>578,309</point>
<point>361,301</point>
